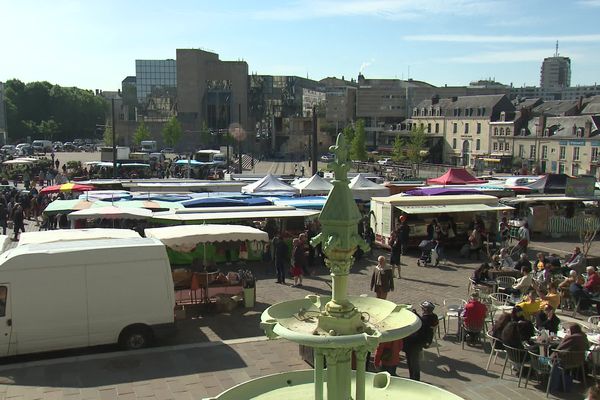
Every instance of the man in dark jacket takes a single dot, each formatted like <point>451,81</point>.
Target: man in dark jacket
<point>280,255</point>
<point>415,343</point>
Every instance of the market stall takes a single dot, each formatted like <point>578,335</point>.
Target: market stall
<point>193,252</point>
<point>456,210</point>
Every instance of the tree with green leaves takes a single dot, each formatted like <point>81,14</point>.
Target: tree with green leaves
<point>172,132</point>
<point>107,136</point>
<point>348,133</point>
<point>416,146</point>
<point>358,150</point>
<point>398,150</point>
<point>48,129</point>
<point>141,133</point>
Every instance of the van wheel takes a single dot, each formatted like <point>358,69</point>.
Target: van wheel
<point>135,338</point>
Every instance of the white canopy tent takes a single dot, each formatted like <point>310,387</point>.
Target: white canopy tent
<point>185,238</point>
<point>268,184</point>
<point>363,189</point>
<point>24,160</point>
<point>315,185</point>
<point>110,212</point>
<point>62,235</point>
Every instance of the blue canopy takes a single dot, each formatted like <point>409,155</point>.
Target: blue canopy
<point>212,202</point>
<point>256,201</point>
<point>312,202</point>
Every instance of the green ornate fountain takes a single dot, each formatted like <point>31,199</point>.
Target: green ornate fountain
<point>339,326</point>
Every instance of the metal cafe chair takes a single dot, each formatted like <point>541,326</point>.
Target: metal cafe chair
<point>505,281</point>
<point>518,357</point>
<point>540,365</point>
<point>452,309</point>
<point>567,361</point>
<point>466,329</point>
<point>494,352</point>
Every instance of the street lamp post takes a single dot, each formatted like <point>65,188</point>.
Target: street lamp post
<point>114,138</point>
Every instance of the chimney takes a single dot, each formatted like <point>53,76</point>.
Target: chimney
<point>541,126</point>
<point>579,104</point>
<point>587,131</point>
<point>119,92</point>
<point>435,99</point>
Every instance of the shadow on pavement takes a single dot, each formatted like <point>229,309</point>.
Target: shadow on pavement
<point>132,367</point>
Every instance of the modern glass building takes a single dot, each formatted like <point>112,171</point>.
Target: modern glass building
<point>155,77</point>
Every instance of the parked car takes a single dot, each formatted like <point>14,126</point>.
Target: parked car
<point>385,161</point>
<point>69,146</point>
<point>327,157</point>
<point>9,149</point>
<point>167,150</point>
<point>24,149</point>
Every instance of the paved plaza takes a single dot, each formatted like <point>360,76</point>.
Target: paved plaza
<point>213,352</point>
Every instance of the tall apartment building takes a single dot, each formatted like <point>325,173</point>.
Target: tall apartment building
<point>555,72</point>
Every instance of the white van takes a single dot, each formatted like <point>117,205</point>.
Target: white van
<point>42,146</point>
<point>84,293</point>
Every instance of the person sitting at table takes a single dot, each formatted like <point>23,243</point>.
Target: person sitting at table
<point>495,263</point>
<point>592,285</point>
<point>506,262</point>
<point>522,284</point>
<point>481,274</point>
<point>473,314</point>
<point>580,295</point>
<point>554,260</point>
<point>551,296</point>
<point>566,283</point>
<point>575,262</point>
<point>531,305</point>
<point>575,340</point>
<point>540,261</point>
<point>544,277</point>
<point>525,326</point>
<point>547,319</point>
<point>522,262</point>
<point>498,327</point>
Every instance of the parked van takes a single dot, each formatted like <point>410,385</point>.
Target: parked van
<point>42,146</point>
<point>84,293</point>
<point>148,146</point>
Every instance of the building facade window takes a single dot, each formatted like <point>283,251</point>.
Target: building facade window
<point>507,131</point>
<point>501,146</point>
<point>454,143</point>
<point>532,151</point>
<point>478,126</point>
<point>507,146</point>
<point>495,131</point>
<point>561,168</point>
<point>544,152</point>
<point>562,152</point>
<point>501,131</point>
<point>478,144</point>
<point>455,128</point>
<point>495,146</point>
<point>429,127</point>
<point>467,127</point>
<point>594,154</point>
<point>574,169</point>
<point>575,154</point>
<point>521,151</point>
<point>437,128</point>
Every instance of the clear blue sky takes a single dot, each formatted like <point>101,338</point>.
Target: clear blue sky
<point>94,44</point>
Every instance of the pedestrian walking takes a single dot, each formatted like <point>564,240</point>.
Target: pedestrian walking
<point>298,262</point>
<point>280,256</point>
<point>382,280</point>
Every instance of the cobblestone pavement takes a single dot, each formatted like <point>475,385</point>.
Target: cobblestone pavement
<point>213,352</point>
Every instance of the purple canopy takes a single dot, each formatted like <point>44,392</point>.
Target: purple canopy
<point>441,191</point>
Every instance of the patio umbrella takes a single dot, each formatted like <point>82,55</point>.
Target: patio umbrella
<point>111,212</point>
<point>67,187</point>
<point>67,206</point>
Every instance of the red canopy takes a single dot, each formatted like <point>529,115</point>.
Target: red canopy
<point>455,176</point>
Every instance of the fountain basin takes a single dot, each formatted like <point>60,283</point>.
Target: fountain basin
<point>299,385</point>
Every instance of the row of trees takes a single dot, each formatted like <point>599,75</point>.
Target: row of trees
<point>412,149</point>
<point>40,110</point>
<point>171,132</point>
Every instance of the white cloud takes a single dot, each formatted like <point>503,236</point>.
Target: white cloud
<point>502,38</point>
<point>499,57</point>
<point>590,3</point>
<point>388,9</point>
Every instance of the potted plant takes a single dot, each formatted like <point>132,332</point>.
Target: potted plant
<point>248,286</point>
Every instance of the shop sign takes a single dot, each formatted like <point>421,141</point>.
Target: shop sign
<point>574,143</point>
